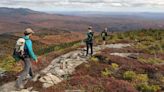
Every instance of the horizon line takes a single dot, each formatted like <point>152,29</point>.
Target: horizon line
<point>60,11</point>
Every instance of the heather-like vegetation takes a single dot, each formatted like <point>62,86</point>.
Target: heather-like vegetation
<point>150,40</point>
<point>7,43</point>
<point>108,73</point>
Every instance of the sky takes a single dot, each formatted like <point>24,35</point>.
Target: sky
<point>87,5</point>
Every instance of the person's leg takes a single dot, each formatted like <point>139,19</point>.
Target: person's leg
<point>27,66</point>
<point>87,45</point>
<point>104,41</point>
<point>31,73</point>
<point>91,47</point>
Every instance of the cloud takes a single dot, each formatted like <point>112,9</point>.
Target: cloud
<point>84,4</point>
<point>85,1</point>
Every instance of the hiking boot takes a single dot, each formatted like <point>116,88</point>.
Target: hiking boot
<point>19,88</point>
<point>28,77</point>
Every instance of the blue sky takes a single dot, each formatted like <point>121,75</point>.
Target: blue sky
<point>87,5</point>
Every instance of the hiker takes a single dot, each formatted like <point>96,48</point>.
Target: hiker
<point>26,55</point>
<point>89,41</point>
<point>104,35</point>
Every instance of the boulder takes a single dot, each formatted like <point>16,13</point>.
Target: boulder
<point>74,55</point>
<point>57,71</point>
<point>120,54</point>
<point>49,80</point>
<point>133,55</point>
<point>120,45</point>
<point>42,79</point>
<point>46,85</point>
<point>2,72</point>
<point>54,78</point>
<point>24,90</point>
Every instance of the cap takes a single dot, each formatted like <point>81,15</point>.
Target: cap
<point>90,27</point>
<point>106,28</point>
<point>28,31</point>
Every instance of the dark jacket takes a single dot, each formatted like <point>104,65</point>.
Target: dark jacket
<point>89,38</point>
<point>104,34</point>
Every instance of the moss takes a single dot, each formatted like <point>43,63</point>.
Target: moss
<point>94,59</point>
<point>141,78</point>
<point>129,75</point>
<point>148,88</point>
<point>114,66</point>
<point>106,72</point>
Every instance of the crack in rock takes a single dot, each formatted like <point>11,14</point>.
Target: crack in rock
<point>130,55</point>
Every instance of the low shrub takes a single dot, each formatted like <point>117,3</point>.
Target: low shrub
<point>141,78</point>
<point>9,64</point>
<point>162,80</point>
<point>148,88</point>
<point>129,75</point>
<point>106,72</point>
<point>94,59</point>
<point>114,66</point>
<point>151,60</point>
<point>121,36</point>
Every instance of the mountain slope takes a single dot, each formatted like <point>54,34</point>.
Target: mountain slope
<point>12,20</point>
<point>14,11</point>
<point>18,19</point>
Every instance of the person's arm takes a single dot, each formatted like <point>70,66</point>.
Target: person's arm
<point>93,35</point>
<point>101,34</point>
<point>106,33</point>
<point>30,50</point>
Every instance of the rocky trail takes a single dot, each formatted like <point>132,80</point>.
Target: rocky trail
<point>63,66</point>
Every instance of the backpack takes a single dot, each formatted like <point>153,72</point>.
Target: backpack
<point>19,49</point>
<point>90,37</point>
<point>103,34</point>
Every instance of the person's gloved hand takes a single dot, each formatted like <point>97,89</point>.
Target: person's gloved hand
<point>36,60</point>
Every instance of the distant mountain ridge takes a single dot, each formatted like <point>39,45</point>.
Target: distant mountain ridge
<point>21,11</point>
<point>17,19</point>
<point>156,15</point>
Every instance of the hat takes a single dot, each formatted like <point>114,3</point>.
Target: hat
<point>90,27</point>
<point>28,31</point>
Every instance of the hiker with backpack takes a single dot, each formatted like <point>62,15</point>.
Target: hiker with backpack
<point>104,35</point>
<point>89,41</point>
<point>24,51</point>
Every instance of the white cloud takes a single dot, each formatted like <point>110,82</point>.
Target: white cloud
<point>85,4</point>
